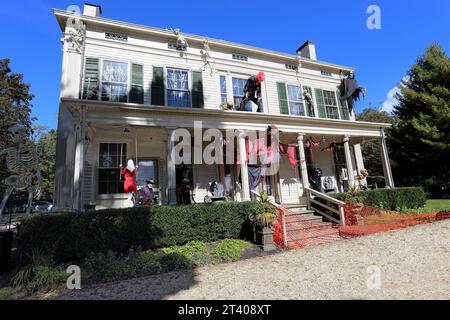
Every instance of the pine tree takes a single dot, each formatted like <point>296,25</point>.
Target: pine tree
<point>420,140</point>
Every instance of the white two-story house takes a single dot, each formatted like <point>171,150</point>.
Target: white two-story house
<point>126,88</point>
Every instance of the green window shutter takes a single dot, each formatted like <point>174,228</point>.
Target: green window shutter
<point>309,105</point>
<point>91,81</point>
<point>342,107</point>
<point>137,84</point>
<point>320,103</point>
<point>282,98</point>
<point>197,90</point>
<point>158,86</point>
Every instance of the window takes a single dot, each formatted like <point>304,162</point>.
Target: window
<point>114,81</point>
<point>148,169</point>
<point>223,89</point>
<point>108,172</point>
<point>330,104</point>
<point>116,36</point>
<point>291,67</point>
<point>295,101</point>
<point>178,88</point>
<point>238,90</point>
<point>239,57</point>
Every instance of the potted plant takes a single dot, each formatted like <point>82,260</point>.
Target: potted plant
<point>263,223</point>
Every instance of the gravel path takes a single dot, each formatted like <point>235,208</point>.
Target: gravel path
<point>414,264</point>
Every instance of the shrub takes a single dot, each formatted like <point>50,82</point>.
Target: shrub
<point>73,237</point>
<point>194,251</point>
<point>230,249</point>
<point>390,199</point>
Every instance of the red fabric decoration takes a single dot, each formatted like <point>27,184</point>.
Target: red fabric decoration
<point>130,183</point>
<point>291,152</point>
<point>310,143</point>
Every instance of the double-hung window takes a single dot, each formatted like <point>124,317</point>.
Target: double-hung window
<point>223,89</point>
<point>108,167</point>
<point>114,81</point>
<point>238,90</point>
<point>178,88</point>
<point>331,106</point>
<point>295,101</point>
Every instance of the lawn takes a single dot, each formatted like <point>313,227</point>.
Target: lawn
<point>434,205</point>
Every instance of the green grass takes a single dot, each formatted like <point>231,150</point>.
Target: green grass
<point>433,205</point>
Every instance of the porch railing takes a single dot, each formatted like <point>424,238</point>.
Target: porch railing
<point>280,211</point>
<point>312,198</point>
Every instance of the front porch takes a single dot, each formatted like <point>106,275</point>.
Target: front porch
<point>114,133</point>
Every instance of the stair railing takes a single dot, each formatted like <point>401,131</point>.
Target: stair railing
<point>279,210</point>
<point>312,196</point>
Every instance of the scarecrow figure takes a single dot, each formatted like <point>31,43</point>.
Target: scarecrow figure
<point>23,164</point>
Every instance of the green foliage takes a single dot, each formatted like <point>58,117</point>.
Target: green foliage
<point>38,274</point>
<point>230,249</point>
<point>15,107</point>
<point>9,293</point>
<point>391,199</point>
<point>420,141</point>
<point>75,236</point>
<point>371,148</point>
<point>194,251</point>
<point>46,147</point>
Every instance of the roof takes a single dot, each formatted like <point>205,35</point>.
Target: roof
<point>62,14</point>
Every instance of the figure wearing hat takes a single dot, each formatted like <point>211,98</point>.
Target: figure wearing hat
<point>252,92</point>
<point>147,195</point>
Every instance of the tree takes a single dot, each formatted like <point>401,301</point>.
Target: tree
<point>15,107</point>
<point>46,148</point>
<point>420,140</point>
<point>371,149</point>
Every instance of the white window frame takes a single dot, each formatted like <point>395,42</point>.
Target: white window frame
<point>300,86</point>
<point>226,88</point>
<point>236,76</point>
<point>100,75</point>
<point>166,96</point>
<point>330,106</point>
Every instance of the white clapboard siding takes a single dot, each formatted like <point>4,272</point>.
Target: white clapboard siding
<point>290,185</point>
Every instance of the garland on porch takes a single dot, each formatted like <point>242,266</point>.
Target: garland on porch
<point>334,146</point>
<point>310,143</point>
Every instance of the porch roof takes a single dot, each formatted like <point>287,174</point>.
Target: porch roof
<point>102,112</point>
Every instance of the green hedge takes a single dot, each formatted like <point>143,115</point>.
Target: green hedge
<point>73,237</point>
<point>390,199</point>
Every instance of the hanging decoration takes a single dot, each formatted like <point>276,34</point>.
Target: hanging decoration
<point>351,91</point>
<point>181,44</point>
<point>310,143</point>
<point>129,172</point>
<point>334,146</point>
<point>206,57</point>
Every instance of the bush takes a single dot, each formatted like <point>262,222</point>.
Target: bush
<point>194,251</point>
<point>230,249</point>
<point>390,199</point>
<point>73,237</point>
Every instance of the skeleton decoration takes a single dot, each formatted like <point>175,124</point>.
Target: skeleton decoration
<point>307,96</point>
<point>23,164</point>
<point>73,39</point>
<point>206,57</point>
<point>182,44</point>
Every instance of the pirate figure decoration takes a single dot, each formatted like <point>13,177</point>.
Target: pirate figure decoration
<point>129,173</point>
<point>351,91</point>
<point>252,93</point>
<point>23,164</point>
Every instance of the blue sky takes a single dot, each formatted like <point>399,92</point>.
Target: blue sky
<point>31,36</point>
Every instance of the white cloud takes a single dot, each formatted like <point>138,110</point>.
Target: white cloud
<point>390,102</point>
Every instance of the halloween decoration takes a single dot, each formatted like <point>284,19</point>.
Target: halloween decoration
<point>23,164</point>
<point>350,91</point>
<point>252,91</point>
<point>206,57</point>
<point>315,179</point>
<point>182,44</point>
<point>334,146</point>
<point>129,172</point>
<point>310,143</point>
<point>146,194</point>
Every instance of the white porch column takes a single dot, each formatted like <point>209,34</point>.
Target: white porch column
<point>348,160</point>
<point>385,162</point>
<point>304,169</point>
<point>171,170</point>
<point>80,123</point>
<point>245,188</point>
